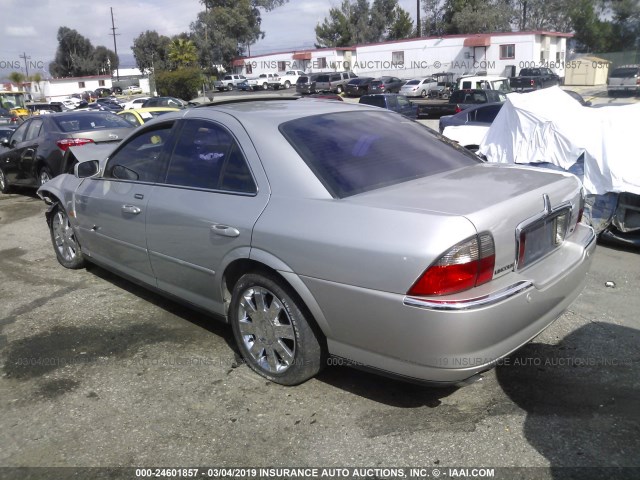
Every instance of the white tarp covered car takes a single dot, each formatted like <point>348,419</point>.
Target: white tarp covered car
<point>550,129</point>
<point>548,126</point>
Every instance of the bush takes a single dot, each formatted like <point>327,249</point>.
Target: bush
<point>182,83</point>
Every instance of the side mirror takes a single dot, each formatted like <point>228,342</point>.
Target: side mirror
<point>87,169</point>
<point>5,142</point>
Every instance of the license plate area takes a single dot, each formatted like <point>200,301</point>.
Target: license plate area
<point>539,238</point>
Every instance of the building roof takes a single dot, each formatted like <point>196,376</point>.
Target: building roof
<point>89,77</point>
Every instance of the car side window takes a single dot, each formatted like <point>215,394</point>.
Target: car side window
<point>18,135</point>
<point>131,118</point>
<point>487,114</point>
<point>403,102</point>
<point>207,156</point>
<point>34,129</point>
<point>139,159</point>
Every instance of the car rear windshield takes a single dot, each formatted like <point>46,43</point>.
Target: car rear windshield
<point>413,82</point>
<point>357,81</point>
<point>375,100</point>
<point>84,121</point>
<point>372,150</point>
<point>626,72</point>
<point>303,80</point>
<point>530,72</point>
<point>375,83</point>
<point>322,78</point>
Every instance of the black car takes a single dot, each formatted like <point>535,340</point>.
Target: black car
<point>34,152</point>
<point>164,102</point>
<point>102,92</point>
<point>110,104</point>
<point>386,85</point>
<point>358,86</point>
<point>5,132</point>
<point>483,114</point>
<point>391,101</point>
<point>7,118</point>
<point>307,83</point>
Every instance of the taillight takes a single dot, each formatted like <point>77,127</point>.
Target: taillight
<point>65,143</point>
<point>466,265</point>
<point>458,109</point>
<point>532,82</point>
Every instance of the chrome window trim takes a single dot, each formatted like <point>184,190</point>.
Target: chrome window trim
<point>470,304</point>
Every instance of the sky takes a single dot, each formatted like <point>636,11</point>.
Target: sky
<point>29,27</point>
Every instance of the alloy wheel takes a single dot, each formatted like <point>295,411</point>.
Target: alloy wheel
<point>64,237</point>
<point>266,330</point>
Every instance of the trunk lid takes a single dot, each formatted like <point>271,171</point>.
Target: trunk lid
<point>494,198</point>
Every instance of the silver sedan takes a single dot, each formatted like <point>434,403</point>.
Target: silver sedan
<point>326,232</point>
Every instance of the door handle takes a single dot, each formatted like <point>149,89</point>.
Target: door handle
<point>224,230</point>
<point>132,209</point>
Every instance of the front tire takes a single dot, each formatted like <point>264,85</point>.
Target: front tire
<point>44,175</point>
<point>273,330</point>
<point>4,185</point>
<point>423,94</point>
<point>63,237</point>
<point>339,89</point>
<point>287,84</point>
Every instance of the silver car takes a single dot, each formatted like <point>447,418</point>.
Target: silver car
<point>381,247</point>
<point>418,87</point>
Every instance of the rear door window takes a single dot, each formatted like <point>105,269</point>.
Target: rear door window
<point>207,156</point>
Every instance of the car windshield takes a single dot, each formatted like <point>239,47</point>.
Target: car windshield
<point>373,150</point>
<point>84,121</point>
<point>624,72</point>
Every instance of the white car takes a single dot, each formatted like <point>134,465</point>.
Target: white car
<point>418,87</point>
<point>135,103</point>
<point>131,90</point>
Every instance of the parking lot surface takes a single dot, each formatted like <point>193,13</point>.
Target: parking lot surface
<point>97,371</point>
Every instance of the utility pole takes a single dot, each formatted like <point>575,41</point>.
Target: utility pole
<point>418,26</point>
<point>115,46</point>
<point>26,66</point>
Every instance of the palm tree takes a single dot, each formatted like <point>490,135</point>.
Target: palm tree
<point>17,78</point>
<point>182,52</point>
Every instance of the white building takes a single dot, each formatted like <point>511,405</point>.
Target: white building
<point>55,89</point>
<point>496,53</point>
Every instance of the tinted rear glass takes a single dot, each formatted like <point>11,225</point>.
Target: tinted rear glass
<point>374,100</point>
<point>375,83</point>
<point>90,121</point>
<point>323,78</point>
<point>624,72</point>
<point>303,80</point>
<point>413,82</point>
<point>530,72</point>
<point>373,150</point>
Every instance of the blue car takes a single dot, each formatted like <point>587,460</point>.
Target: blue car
<point>482,114</point>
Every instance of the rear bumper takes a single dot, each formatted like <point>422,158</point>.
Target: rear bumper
<point>438,342</point>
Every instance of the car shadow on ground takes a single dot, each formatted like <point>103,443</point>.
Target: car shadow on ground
<point>380,389</point>
<point>582,399</point>
<point>384,390</point>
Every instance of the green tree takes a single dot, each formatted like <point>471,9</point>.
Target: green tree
<point>76,56</point>
<point>357,22</point>
<point>17,77</point>
<point>105,60</point>
<point>151,51</point>
<point>181,83</point>
<point>182,53</point>
<point>226,28</point>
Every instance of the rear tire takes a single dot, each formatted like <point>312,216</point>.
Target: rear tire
<point>63,238</point>
<point>274,331</point>
<point>423,94</point>
<point>265,86</point>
